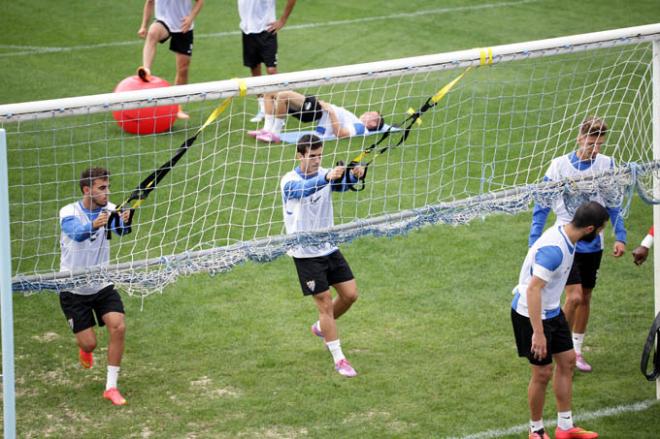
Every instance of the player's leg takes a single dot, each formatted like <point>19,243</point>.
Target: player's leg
<point>325,306</point>
<point>536,389</point>
<point>182,45</point>
<point>589,266</point>
<point>563,389</point>
<point>341,278</point>
<point>110,313</point>
<point>157,33</point>
<point>78,312</point>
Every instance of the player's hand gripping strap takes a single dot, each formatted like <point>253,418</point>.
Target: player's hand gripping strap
<point>414,117</point>
<point>646,353</point>
<point>147,185</point>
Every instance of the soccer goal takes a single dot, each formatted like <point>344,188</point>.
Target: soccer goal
<point>468,134</point>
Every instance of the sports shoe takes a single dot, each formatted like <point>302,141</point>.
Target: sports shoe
<point>255,133</point>
<point>344,368</point>
<point>144,73</point>
<point>581,363</point>
<point>114,396</point>
<point>258,117</point>
<point>538,435</point>
<point>86,358</point>
<point>575,433</point>
<point>269,137</point>
<point>181,115</point>
<point>316,331</point>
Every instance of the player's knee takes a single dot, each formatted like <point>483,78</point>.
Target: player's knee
<point>543,374</point>
<point>117,329</point>
<point>87,345</point>
<point>271,70</point>
<point>574,300</point>
<point>351,296</point>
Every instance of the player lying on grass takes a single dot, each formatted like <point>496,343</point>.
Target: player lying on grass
<point>330,119</point>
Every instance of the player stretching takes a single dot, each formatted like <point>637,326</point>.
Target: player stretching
<point>539,325</point>
<point>84,244</point>
<point>307,195</point>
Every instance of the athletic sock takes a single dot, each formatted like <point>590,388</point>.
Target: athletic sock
<point>268,122</point>
<point>577,342</point>
<point>113,374</point>
<point>335,349</point>
<point>565,420</point>
<point>277,125</point>
<point>261,104</point>
<point>536,425</point>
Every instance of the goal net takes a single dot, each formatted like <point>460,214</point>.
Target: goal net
<point>482,149</point>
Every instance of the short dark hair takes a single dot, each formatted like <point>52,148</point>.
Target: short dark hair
<point>590,214</point>
<point>593,126</point>
<point>90,174</point>
<point>308,142</point>
<point>381,122</point>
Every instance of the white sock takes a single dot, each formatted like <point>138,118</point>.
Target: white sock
<point>261,104</point>
<point>268,122</point>
<point>113,374</point>
<point>277,125</point>
<point>577,342</point>
<point>565,420</point>
<point>536,425</point>
<point>335,349</point>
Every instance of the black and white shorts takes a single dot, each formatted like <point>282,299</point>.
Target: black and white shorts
<point>317,274</point>
<point>557,336</point>
<point>585,269</point>
<point>311,110</point>
<point>260,48</point>
<point>80,309</point>
<point>180,42</point>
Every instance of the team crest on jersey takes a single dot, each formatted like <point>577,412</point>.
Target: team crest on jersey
<point>311,285</point>
<point>70,321</point>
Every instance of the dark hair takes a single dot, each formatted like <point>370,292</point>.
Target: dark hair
<point>308,142</point>
<point>590,214</point>
<point>90,174</point>
<point>593,126</point>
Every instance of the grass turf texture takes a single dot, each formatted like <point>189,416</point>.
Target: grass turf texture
<point>231,355</point>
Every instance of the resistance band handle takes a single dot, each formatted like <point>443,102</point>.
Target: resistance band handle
<point>646,353</point>
<point>115,218</point>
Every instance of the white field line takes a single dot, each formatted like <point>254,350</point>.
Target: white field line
<point>602,413</point>
<point>32,50</point>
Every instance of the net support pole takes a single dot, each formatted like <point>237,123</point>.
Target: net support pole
<point>7,313</point>
<point>655,72</point>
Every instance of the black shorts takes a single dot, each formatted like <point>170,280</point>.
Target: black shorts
<point>180,42</point>
<point>317,274</point>
<point>557,336</point>
<point>311,110</point>
<point>260,48</point>
<point>585,269</point>
<point>79,309</point>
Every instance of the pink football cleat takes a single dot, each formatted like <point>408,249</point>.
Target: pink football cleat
<point>345,369</point>
<point>114,396</point>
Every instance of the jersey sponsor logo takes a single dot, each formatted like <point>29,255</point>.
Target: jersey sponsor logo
<point>311,285</point>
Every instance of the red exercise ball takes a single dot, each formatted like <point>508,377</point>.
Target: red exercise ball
<point>145,120</point>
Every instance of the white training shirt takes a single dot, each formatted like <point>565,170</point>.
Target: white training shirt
<point>172,13</point>
<point>346,120</point>
<point>93,251</point>
<point>256,15</point>
<point>307,210</point>
<point>550,259</point>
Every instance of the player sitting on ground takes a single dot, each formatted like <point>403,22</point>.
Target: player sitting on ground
<point>332,120</point>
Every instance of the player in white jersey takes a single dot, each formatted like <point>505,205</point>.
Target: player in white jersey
<point>307,206</point>
<point>584,162</point>
<point>84,244</point>
<point>331,119</point>
<point>174,21</point>
<point>259,35</point>
<point>540,328</point>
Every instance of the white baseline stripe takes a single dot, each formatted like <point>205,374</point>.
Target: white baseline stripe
<point>31,50</point>
<point>602,413</point>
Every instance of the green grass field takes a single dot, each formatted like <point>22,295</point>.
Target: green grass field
<point>231,355</point>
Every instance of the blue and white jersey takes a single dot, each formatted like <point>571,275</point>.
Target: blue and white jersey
<point>346,119</point>
<point>571,167</point>
<point>550,259</point>
<point>81,245</point>
<point>256,15</point>
<point>307,206</point>
<point>172,13</point>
